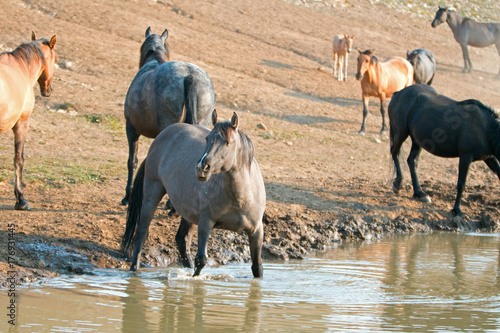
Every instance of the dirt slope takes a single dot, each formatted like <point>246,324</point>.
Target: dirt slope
<point>271,62</point>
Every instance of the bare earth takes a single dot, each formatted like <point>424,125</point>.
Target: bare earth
<point>271,62</point>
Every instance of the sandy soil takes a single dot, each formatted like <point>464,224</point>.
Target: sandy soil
<point>271,62</point>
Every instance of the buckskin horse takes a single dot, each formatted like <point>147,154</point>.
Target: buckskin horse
<point>342,46</point>
<point>469,32</point>
<point>19,71</point>
<point>212,180</point>
<point>382,80</point>
<point>162,93</point>
<point>444,127</point>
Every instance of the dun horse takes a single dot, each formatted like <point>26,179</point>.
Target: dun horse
<point>163,92</point>
<point>212,180</point>
<point>469,32</point>
<point>19,71</point>
<point>446,128</point>
<point>424,65</point>
<point>342,45</point>
<point>382,80</point>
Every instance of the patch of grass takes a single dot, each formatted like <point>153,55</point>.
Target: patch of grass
<point>65,106</point>
<point>282,136</point>
<point>327,140</point>
<point>57,175</point>
<point>107,121</point>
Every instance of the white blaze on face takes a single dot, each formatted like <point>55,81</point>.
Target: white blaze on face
<point>201,160</point>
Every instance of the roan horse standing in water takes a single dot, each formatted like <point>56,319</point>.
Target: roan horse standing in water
<point>381,79</point>
<point>444,127</point>
<point>212,180</point>
<point>469,32</point>
<point>19,71</point>
<point>162,93</point>
<point>342,45</point>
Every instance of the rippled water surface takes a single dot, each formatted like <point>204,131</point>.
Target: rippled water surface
<point>434,283</point>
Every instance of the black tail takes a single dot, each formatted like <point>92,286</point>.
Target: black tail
<point>133,212</point>
<point>191,102</point>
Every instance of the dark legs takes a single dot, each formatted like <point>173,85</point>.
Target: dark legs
<point>412,164</point>
<point>20,130</point>
<point>204,229</point>
<point>255,241</point>
<point>467,62</point>
<point>463,169</point>
<point>396,142</point>
<point>133,145</point>
<point>365,113</point>
<point>183,239</point>
<point>153,193</point>
<point>493,164</point>
<point>382,111</point>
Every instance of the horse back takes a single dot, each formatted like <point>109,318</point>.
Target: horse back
<point>396,74</point>
<point>338,45</point>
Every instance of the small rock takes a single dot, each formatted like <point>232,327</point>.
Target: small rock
<point>261,126</point>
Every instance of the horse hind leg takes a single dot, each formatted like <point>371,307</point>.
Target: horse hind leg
<point>255,240</point>
<point>133,146</point>
<point>467,62</point>
<point>20,131</point>
<point>183,239</point>
<point>396,143</point>
<point>463,170</point>
<point>412,160</point>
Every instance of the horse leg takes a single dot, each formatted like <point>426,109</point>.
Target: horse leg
<point>463,169</point>
<point>345,67</point>
<point>154,192</point>
<point>413,164</point>
<point>204,229</point>
<point>365,113</point>
<point>382,111</point>
<point>396,142</point>
<point>341,68</point>
<point>493,164</point>
<point>335,64</point>
<point>467,62</point>
<point>255,240</point>
<point>183,239</point>
<point>497,44</point>
<point>20,131</point>
<point>133,146</point>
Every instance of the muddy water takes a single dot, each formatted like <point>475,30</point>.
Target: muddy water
<point>436,283</point>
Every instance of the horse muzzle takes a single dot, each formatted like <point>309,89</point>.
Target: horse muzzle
<point>47,92</point>
<point>359,76</point>
<point>203,172</point>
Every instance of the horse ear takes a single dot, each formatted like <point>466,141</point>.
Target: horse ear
<point>214,117</point>
<point>148,32</point>
<point>33,35</point>
<point>360,51</point>
<point>234,120</point>
<point>52,42</point>
<point>164,35</point>
<point>371,52</point>
<point>345,36</point>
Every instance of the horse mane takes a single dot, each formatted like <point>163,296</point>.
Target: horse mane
<point>154,46</point>
<point>372,57</point>
<point>26,52</point>
<point>480,105</point>
<point>225,129</point>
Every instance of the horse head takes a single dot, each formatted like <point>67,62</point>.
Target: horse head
<point>48,64</point>
<point>441,16</point>
<point>156,46</point>
<point>348,42</point>
<point>365,59</point>
<point>221,150</point>
<point>412,57</point>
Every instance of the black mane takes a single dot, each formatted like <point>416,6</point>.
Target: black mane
<point>155,48</point>
<point>247,148</point>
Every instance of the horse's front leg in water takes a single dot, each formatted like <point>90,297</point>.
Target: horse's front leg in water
<point>204,229</point>
<point>183,239</point>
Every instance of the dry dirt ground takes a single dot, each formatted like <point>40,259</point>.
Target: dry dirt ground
<point>271,62</point>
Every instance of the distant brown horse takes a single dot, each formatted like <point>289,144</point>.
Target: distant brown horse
<point>342,45</point>
<point>469,32</point>
<point>382,80</point>
<point>19,71</point>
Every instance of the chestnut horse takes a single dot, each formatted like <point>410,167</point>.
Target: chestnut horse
<point>342,45</point>
<point>19,71</point>
<point>382,80</point>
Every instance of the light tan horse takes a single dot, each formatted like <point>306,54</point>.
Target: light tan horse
<point>382,80</point>
<point>342,45</point>
<point>19,71</point>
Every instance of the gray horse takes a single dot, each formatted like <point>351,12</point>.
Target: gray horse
<point>469,32</point>
<point>212,180</point>
<point>162,93</point>
<point>424,65</point>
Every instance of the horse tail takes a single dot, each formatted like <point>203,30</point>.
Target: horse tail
<point>133,212</point>
<point>190,101</point>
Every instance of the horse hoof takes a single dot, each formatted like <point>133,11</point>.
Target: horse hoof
<point>425,198</point>
<point>361,132</point>
<point>22,205</point>
<point>124,202</point>
<point>457,212</point>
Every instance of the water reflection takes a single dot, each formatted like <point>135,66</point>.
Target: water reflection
<point>443,282</point>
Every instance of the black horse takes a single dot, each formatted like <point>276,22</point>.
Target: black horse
<point>446,128</point>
